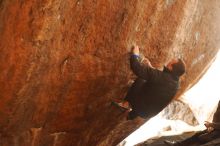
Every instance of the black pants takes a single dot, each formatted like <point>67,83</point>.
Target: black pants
<point>201,138</point>
<point>134,90</point>
<point>132,93</point>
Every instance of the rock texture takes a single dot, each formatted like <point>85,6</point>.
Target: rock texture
<point>61,63</point>
<point>160,141</point>
<point>178,110</point>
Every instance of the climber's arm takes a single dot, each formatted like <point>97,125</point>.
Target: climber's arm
<point>143,71</point>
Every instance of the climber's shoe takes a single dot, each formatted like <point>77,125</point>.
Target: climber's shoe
<point>122,105</point>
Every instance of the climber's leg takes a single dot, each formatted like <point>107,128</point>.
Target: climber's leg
<point>134,90</point>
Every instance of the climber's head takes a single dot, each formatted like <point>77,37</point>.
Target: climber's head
<point>177,66</point>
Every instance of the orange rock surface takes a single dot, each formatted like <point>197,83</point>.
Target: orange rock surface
<point>62,62</point>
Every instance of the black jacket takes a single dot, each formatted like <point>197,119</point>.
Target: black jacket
<point>157,91</point>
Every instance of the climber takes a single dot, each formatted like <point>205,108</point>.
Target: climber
<point>153,89</point>
<point>211,133</point>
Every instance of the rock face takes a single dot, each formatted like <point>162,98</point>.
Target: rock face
<point>61,63</point>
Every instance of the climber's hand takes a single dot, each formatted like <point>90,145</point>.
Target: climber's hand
<point>147,61</point>
<point>135,50</point>
<point>209,126</point>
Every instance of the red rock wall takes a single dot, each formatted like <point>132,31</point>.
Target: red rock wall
<point>61,63</point>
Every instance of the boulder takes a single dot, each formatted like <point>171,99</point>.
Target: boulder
<point>62,62</point>
<point>178,110</point>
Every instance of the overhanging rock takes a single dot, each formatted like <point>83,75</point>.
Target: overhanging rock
<point>61,63</point>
